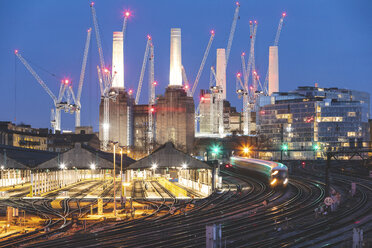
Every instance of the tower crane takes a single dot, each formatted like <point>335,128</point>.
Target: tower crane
<point>59,103</point>
<point>148,56</point>
<point>144,63</point>
<point>246,110</point>
<point>151,110</point>
<point>245,92</point>
<point>232,32</point>
<point>81,80</point>
<point>202,64</point>
<point>105,82</point>
<point>276,42</point>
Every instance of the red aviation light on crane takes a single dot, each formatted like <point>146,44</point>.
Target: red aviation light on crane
<point>284,14</point>
<point>152,109</point>
<point>15,51</point>
<point>243,53</point>
<point>66,81</point>
<point>127,13</point>
<point>106,70</point>
<point>91,4</point>
<point>155,83</point>
<point>238,74</point>
<point>149,37</point>
<point>237,4</point>
<point>202,98</point>
<point>255,22</point>
<point>212,32</point>
<point>130,92</point>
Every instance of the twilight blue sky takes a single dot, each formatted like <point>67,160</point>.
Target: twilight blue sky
<point>328,42</point>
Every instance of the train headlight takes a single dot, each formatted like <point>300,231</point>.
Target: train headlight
<point>273,182</point>
<point>274,173</point>
<point>285,181</point>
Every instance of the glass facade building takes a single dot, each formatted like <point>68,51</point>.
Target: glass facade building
<point>312,117</point>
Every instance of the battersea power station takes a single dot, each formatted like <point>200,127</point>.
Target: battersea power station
<point>144,127</point>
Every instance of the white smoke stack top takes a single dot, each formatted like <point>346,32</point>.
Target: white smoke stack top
<point>221,71</point>
<point>118,60</point>
<point>273,70</point>
<point>175,72</point>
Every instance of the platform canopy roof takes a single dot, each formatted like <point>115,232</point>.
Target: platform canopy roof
<point>168,156</point>
<point>82,156</point>
<point>23,158</point>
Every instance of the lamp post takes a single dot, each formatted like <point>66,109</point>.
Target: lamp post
<point>114,174</point>
<point>121,175</point>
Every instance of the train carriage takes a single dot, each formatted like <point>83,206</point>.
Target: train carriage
<point>275,173</point>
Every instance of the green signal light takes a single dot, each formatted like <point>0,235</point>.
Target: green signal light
<point>216,149</point>
<point>316,147</point>
<point>284,147</point>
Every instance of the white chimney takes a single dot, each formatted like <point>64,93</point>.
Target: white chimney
<point>273,70</point>
<point>221,71</point>
<point>175,72</point>
<point>118,60</point>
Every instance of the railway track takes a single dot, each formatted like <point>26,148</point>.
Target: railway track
<point>56,221</point>
<point>245,221</point>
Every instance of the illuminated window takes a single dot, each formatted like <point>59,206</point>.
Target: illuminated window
<point>351,114</point>
<point>351,134</point>
<point>331,119</point>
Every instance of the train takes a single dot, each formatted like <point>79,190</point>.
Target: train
<point>275,173</point>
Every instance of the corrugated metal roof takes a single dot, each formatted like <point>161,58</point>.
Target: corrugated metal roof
<point>81,156</point>
<point>168,156</point>
<point>27,157</point>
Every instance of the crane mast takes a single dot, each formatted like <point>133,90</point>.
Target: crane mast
<point>232,32</point>
<point>98,37</point>
<point>105,83</point>
<point>144,62</point>
<point>126,16</point>
<point>152,84</point>
<point>202,64</point>
<point>81,79</point>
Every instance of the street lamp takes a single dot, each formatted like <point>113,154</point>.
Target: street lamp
<point>114,175</point>
<point>184,166</point>
<point>92,168</point>
<point>62,166</point>
<point>121,175</point>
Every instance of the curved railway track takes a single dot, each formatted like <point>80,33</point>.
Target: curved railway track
<point>246,222</point>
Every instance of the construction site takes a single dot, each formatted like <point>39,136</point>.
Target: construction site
<point>141,128</point>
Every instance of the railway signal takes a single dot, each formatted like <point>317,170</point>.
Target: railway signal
<point>315,147</point>
<point>284,147</point>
